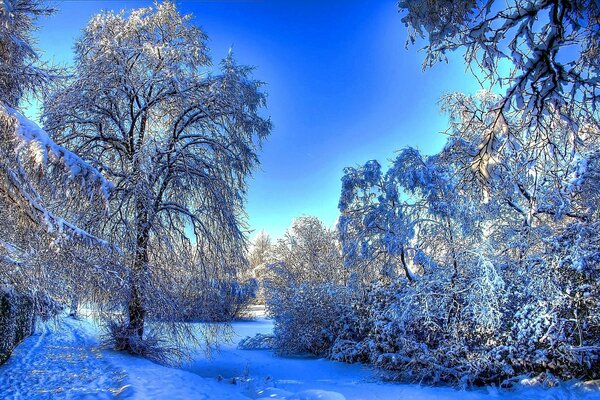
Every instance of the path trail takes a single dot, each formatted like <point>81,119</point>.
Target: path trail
<point>61,361</point>
<point>64,361</point>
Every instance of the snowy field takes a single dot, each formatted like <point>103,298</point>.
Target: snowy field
<point>64,361</point>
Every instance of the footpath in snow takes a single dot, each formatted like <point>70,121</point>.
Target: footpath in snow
<point>64,362</point>
<point>60,361</point>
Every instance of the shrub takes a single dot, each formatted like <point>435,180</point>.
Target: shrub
<point>305,317</point>
<point>120,338</point>
<point>221,301</point>
<point>17,320</point>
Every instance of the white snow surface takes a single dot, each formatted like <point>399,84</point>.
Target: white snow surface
<point>64,361</point>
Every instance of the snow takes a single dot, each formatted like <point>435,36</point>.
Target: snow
<point>64,360</point>
<point>29,134</point>
<point>272,393</point>
<point>31,139</point>
<point>60,361</point>
<point>148,380</point>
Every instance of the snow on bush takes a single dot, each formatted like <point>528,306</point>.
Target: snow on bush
<point>304,317</point>
<point>120,338</point>
<point>303,288</point>
<point>257,342</point>
<point>484,282</point>
<point>448,278</point>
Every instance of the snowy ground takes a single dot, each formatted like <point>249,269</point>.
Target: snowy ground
<point>60,362</point>
<point>65,362</point>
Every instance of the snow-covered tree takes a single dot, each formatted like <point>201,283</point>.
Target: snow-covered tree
<point>260,249</point>
<point>39,180</point>
<point>534,205</point>
<point>260,255</point>
<point>177,140</point>
<point>545,53</point>
<point>309,252</point>
<point>21,70</point>
<point>479,286</point>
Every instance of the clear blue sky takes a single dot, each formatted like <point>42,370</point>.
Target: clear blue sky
<point>342,89</point>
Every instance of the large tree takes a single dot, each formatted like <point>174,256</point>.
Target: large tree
<point>177,140</point>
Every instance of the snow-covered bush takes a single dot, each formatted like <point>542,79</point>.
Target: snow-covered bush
<point>305,317</point>
<point>434,329</point>
<point>221,300</point>
<point>304,288</point>
<point>258,342</point>
<point>553,322</point>
<point>159,350</point>
<point>469,281</point>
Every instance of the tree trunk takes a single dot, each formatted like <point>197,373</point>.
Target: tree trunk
<point>136,307</point>
<point>74,306</point>
<point>137,312</point>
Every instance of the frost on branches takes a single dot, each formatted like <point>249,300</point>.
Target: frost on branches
<point>507,277</point>
<point>448,281</point>
<point>21,71</point>
<point>43,186</point>
<point>304,287</point>
<point>549,48</point>
<point>177,138</point>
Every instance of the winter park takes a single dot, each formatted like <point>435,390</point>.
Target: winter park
<point>300,200</point>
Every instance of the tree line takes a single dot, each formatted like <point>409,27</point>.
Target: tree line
<point>478,264</point>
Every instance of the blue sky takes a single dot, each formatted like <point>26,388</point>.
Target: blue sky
<point>342,89</point>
